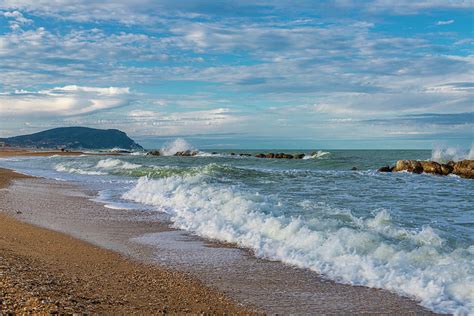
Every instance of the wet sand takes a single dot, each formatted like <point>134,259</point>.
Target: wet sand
<point>43,271</point>
<point>270,287</point>
<point>12,152</point>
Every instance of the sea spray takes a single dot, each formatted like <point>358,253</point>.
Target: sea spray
<point>443,153</point>
<point>178,145</point>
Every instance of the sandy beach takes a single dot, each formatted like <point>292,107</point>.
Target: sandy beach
<point>12,152</point>
<point>95,259</point>
<point>42,271</point>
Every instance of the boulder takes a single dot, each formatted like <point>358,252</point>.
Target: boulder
<point>186,153</point>
<point>270,155</point>
<point>299,156</point>
<point>354,169</point>
<point>408,165</point>
<point>446,169</point>
<point>153,153</point>
<point>245,155</point>
<point>464,169</point>
<point>260,155</point>
<point>385,169</point>
<point>431,167</point>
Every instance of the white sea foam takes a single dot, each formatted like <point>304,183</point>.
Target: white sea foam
<point>441,153</point>
<point>179,144</point>
<point>138,153</point>
<point>365,251</point>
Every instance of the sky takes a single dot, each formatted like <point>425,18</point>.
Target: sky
<point>242,74</point>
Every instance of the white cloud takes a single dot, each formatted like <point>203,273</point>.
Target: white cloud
<point>16,19</point>
<point>445,22</point>
<point>189,122</point>
<point>63,101</point>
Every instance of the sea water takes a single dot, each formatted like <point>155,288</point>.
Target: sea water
<point>408,233</point>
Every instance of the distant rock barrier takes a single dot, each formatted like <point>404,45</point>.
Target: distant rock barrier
<point>186,153</point>
<point>280,156</point>
<point>463,168</point>
<point>189,153</point>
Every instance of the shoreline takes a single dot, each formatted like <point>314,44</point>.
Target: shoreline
<point>44,271</point>
<point>271,279</point>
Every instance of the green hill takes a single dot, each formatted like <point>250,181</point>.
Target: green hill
<point>74,138</point>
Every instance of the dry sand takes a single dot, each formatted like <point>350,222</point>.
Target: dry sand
<point>42,271</point>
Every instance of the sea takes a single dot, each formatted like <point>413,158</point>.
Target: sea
<point>412,234</point>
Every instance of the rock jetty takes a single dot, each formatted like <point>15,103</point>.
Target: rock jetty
<point>190,153</point>
<point>186,153</point>
<point>463,168</point>
<point>280,156</point>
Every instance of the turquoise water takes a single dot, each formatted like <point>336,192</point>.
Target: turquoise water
<point>411,234</point>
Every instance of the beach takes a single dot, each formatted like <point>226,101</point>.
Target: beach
<point>69,266</point>
<point>43,271</point>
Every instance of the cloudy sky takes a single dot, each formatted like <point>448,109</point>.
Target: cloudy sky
<point>223,74</point>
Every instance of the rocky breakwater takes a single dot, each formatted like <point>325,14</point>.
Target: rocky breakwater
<point>280,156</point>
<point>463,168</point>
<point>191,153</point>
<point>186,153</point>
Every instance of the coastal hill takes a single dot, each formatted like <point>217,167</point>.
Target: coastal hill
<point>74,138</point>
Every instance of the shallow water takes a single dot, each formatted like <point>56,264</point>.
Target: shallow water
<point>411,234</point>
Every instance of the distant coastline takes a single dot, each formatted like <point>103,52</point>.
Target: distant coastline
<point>73,138</point>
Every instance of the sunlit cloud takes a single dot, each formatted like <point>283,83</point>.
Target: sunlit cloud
<point>62,101</point>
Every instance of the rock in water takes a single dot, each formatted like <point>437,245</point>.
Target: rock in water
<point>447,168</point>
<point>464,169</point>
<point>408,165</point>
<point>186,153</point>
<point>153,153</point>
<point>431,167</point>
<point>385,169</point>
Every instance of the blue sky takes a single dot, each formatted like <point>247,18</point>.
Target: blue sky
<point>242,74</point>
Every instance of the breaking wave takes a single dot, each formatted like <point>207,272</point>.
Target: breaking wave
<point>371,251</point>
<point>64,167</point>
<point>123,168</point>
<point>116,164</point>
<point>316,155</point>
